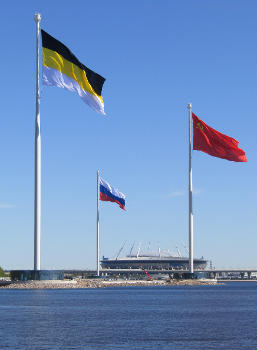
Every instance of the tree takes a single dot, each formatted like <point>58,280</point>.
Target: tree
<point>2,273</point>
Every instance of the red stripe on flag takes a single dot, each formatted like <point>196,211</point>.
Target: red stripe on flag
<point>105,198</point>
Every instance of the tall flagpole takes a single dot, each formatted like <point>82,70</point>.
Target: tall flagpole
<point>190,197</point>
<point>37,201</point>
<point>97,229</point>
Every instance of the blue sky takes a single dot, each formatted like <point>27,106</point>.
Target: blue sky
<point>156,57</point>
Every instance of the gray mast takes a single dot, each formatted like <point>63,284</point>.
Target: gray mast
<point>190,198</point>
<point>37,201</point>
<point>97,229</point>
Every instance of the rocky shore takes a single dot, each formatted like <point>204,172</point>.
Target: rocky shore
<point>96,283</point>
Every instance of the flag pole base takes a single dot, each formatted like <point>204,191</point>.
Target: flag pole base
<point>36,275</point>
<point>189,276</point>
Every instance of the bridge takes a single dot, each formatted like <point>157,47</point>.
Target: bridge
<point>212,273</point>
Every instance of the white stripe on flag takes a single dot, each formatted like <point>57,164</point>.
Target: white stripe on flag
<point>53,77</point>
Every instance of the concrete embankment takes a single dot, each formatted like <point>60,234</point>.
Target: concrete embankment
<point>96,283</point>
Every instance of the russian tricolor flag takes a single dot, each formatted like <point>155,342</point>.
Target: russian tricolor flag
<point>111,194</point>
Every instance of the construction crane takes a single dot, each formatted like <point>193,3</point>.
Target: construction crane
<point>121,248</point>
<point>147,274</point>
<point>186,248</point>
<point>179,254</point>
<point>131,249</point>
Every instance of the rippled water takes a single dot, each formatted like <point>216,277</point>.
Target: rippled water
<point>149,318</point>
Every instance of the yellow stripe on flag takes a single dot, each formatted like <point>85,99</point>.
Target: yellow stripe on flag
<point>54,60</point>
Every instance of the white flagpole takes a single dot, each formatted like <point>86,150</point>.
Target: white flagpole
<point>37,201</point>
<point>190,198</point>
<point>97,229</point>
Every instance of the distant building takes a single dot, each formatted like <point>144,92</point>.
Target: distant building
<point>152,262</point>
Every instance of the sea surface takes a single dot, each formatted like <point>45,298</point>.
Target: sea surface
<point>128,318</point>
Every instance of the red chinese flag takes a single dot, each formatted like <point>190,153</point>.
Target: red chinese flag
<point>213,142</point>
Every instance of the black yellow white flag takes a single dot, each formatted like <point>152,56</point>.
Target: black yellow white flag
<point>62,68</point>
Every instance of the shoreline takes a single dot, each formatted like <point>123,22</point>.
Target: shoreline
<point>95,283</point>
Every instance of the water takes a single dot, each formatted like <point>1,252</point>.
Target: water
<point>131,318</point>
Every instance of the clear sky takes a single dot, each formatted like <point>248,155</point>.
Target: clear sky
<point>156,57</point>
